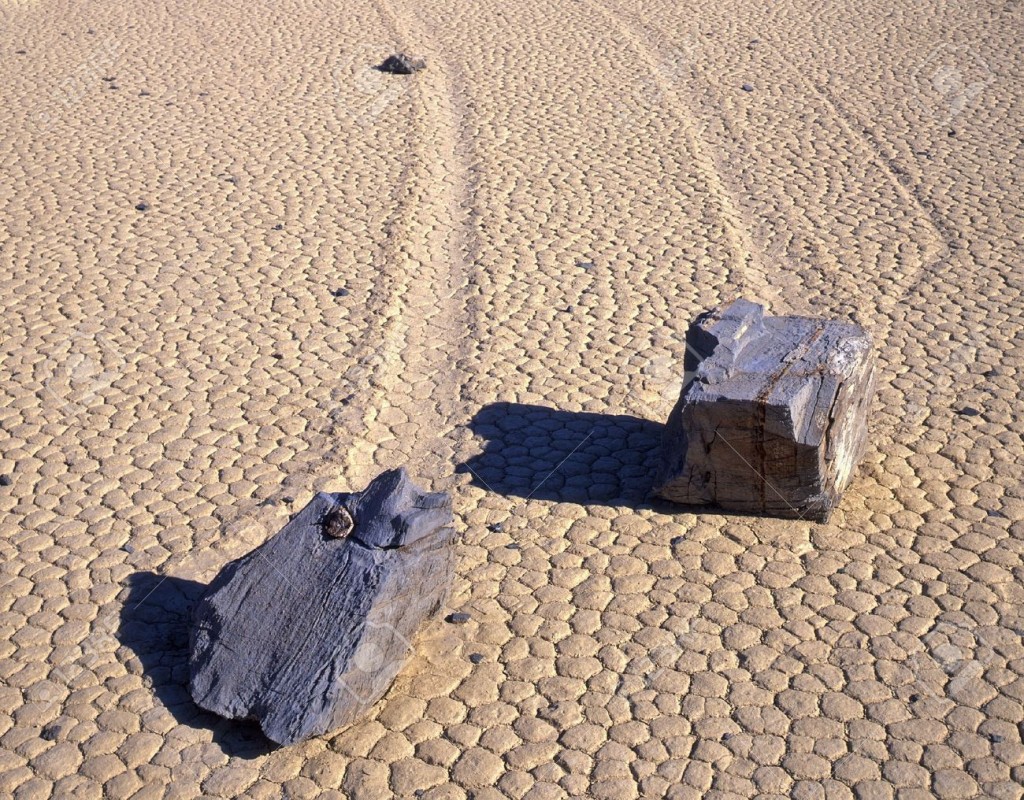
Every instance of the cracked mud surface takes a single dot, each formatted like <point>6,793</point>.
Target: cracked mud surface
<point>241,265</point>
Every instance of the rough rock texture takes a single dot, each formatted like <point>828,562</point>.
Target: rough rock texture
<point>401,64</point>
<point>773,416</point>
<point>309,630</point>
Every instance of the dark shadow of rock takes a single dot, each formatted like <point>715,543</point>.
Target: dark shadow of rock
<point>570,457</point>
<point>155,623</point>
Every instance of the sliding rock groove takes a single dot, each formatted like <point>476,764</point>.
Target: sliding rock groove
<point>772,418</point>
<point>309,630</point>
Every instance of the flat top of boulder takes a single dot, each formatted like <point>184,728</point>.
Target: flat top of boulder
<point>739,353</point>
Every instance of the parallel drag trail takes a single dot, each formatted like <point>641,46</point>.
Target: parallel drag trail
<point>413,362</point>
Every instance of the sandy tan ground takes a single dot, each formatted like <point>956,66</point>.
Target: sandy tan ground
<point>523,231</point>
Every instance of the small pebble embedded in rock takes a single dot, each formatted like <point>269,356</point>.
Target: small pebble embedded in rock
<point>476,658</point>
<point>142,207</point>
<point>340,293</point>
<point>458,618</point>
<point>495,527</point>
<point>6,480</point>
<point>747,87</point>
<point>401,64</point>
<point>968,411</point>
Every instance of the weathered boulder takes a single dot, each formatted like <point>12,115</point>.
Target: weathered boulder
<point>772,418</point>
<point>309,630</point>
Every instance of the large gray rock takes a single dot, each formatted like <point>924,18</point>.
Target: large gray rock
<point>772,418</point>
<point>309,630</point>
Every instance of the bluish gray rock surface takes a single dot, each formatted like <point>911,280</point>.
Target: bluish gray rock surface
<point>309,630</point>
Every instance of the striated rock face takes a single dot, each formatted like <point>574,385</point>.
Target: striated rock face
<point>772,418</point>
<point>309,630</point>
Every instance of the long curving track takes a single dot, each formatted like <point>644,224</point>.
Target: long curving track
<point>240,265</point>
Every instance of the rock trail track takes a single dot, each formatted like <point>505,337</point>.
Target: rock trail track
<point>523,232</point>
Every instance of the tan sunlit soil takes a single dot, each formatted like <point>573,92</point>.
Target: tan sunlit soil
<point>238,265</point>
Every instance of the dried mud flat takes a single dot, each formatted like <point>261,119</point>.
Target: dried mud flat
<point>241,265</point>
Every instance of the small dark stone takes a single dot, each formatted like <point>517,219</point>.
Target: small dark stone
<point>128,547</point>
<point>495,527</point>
<point>91,32</point>
<point>21,52</point>
<point>914,698</point>
<point>143,93</point>
<point>513,546</point>
<point>677,540</point>
<point>287,499</point>
<point>142,207</point>
<point>458,618</point>
<point>113,86</point>
<point>109,79</point>
<point>50,732</point>
<point>476,658</point>
<point>401,64</point>
<point>569,309</point>
<point>340,293</point>
<point>338,524</point>
<point>277,356</point>
<point>6,480</point>
<point>585,264</point>
<point>726,736</point>
<point>951,133</point>
<point>995,738</point>
<point>269,502</point>
<point>968,411</point>
<point>747,87</point>
<point>279,227</point>
<point>754,42</point>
